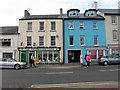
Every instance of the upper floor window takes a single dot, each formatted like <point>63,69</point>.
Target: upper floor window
<point>70,25</point>
<point>81,25</point>
<point>29,26</point>
<point>41,26</point>
<point>5,42</point>
<point>95,25</point>
<point>114,19</point>
<point>53,26</point>
<point>53,43</point>
<point>96,40</point>
<point>115,35</point>
<point>41,40</point>
<point>29,41</point>
<point>82,40</point>
<point>71,40</point>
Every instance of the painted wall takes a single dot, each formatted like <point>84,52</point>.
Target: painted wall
<point>13,48</point>
<point>47,33</point>
<point>88,32</point>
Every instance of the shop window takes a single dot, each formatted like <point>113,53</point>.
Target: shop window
<point>93,54</point>
<point>100,53</point>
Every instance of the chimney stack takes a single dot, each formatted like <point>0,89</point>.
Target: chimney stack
<point>95,5</point>
<point>61,12</point>
<point>26,13</point>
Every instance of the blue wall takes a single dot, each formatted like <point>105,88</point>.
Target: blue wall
<point>88,32</point>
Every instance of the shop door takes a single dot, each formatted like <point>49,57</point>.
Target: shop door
<point>23,57</point>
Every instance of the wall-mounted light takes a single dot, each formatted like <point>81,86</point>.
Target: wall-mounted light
<point>21,43</point>
<point>57,36</point>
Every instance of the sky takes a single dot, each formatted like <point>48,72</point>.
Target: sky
<point>12,10</point>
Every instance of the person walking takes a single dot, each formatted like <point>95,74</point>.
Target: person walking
<point>32,60</point>
<point>88,60</point>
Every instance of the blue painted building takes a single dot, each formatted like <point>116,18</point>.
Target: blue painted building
<point>83,34</point>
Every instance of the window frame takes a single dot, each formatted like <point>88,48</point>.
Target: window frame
<point>53,26</point>
<point>81,25</point>
<point>82,40</point>
<point>41,25</point>
<point>7,42</point>
<point>29,42</point>
<point>41,40</point>
<point>115,35</point>
<point>95,25</point>
<point>114,20</point>
<point>96,40</point>
<point>70,25</point>
<point>29,26</point>
<point>52,40</point>
<point>71,41</point>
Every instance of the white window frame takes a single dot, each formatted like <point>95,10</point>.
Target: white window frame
<point>95,40</point>
<point>115,35</point>
<point>95,25</point>
<point>41,24</point>
<point>53,42</point>
<point>114,20</point>
<point>70,25</point>
<point>29,28</point>
<point>70,40</point>
<point>41,40</point>
<point>29,42</point>
<point>82,40</point>
<point>53,26</point>
<point>81,25</point>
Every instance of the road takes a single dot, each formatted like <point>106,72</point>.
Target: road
<point>25,78</point>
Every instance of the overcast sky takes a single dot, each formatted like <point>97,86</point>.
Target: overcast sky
<point>12,10</point>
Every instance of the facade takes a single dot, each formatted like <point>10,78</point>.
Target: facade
<point>9,42</point>
<point>83,34</point>
<point>41,35</point>
<point>112,28</point>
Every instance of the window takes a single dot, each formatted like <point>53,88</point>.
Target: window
<point>95,40</point>
<point>81,25</point>
<point>29,26</point>
<point>70,25</point>
<point>100,53</point>
<point>53,41</point>
<point>93,54</point>
<point>115,35</point>
<point>29,41</point>
<point>41,40</point>
<point>71,40</point>
<point>114,19</point>
<point>7,55</point>
<point>5,42</point>
<point>41,26</point>
<point>95,25</point>
<point>53,26</point>
<point>82,40</point>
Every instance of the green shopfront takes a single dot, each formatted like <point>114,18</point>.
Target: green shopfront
<point>42,54</point>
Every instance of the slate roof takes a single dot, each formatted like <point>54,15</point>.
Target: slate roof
<point>9,30</point>
<point>110,11</point>
<point>57,16</point>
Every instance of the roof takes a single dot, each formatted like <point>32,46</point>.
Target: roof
<point>9,30</point>
<point>57,16</point>
<point>110,11</point>
<point>32,17</point>
<point>83,17</point>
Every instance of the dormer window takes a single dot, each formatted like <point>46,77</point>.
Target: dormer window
<point>91,12</point>
<point>73,13</point>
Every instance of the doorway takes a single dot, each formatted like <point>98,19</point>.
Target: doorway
<point>74,56</point>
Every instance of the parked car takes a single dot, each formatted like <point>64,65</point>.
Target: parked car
<point>111,59</point>
<point>11,63</point>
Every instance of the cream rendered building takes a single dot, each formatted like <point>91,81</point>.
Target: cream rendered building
<point>41,35</point>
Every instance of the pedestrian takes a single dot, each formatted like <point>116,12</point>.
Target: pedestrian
<point>88,60</point>
<point>81,60</point>
<point>32,60</point>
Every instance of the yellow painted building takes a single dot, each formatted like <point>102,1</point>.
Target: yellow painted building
<point>41,35</point>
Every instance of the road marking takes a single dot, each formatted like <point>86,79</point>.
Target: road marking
<point>52,73</point>
<point>110,70</point>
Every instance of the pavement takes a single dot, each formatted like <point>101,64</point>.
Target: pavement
<point>105,84</point>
